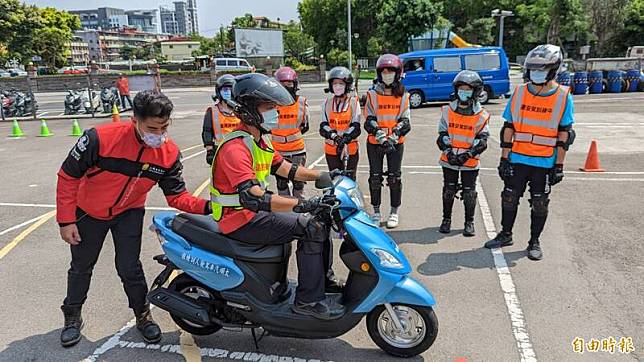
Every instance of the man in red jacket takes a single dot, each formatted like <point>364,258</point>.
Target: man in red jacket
<point>102,186</point>
<point>123,85</point>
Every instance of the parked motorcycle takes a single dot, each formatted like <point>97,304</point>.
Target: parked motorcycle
<point>230,283</point>
<point>73,101</point>
<point>18,104</point>
<point>109,97</point>
<point>91,100</point>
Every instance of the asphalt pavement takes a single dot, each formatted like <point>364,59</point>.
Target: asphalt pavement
<point>491,306</point>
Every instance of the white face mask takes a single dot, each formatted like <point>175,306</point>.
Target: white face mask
<point>338,89</point>
<point>388,78</point>
<point>271,119</point>
<point>153,140</point>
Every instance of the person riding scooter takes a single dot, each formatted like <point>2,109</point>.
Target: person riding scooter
<point>245,210</point>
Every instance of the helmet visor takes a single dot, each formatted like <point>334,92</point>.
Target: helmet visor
<point>273,92</point>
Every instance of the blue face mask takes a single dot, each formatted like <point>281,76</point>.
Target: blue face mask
<point>538,76</point>
<point>225,94</point>
<point>271,119</point>
<point>465,95</point>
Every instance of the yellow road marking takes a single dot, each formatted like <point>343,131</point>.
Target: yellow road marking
<point>43,219</point>
<point>201,187</point>
<point>190,148</point>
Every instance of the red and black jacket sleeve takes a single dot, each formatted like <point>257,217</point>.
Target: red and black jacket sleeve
<point>82,157</point>
<point>174,189</point>
<point>207,133</point>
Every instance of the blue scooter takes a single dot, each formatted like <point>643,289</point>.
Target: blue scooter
<point>229,283</point>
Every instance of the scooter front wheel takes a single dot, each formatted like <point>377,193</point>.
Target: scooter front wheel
<point>418,333</point>
<point>191,288</point>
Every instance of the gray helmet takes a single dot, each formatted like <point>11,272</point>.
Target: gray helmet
<point>471,78</point>
<point>341,73</point>
<point>252,90</point>
<point>225,80</point>
<point>543,57</point>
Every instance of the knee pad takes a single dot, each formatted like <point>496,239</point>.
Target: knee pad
<point>282,183</point>
<point>469,197</point>
<point>539,203</point>
<point>375,181</point>
<point>510,199</point>
<point>394,181</point>
<point>449,191</point>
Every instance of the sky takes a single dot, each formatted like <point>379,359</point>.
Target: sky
<point>212,13</point>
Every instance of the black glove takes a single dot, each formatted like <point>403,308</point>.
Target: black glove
<point>325,179</point>
<point>463,157</point>
<point>452,159</point>
<point>506,171</point>
<point>346,139</point>
<point>556,174</point>
<point>338,139</point>
<point>314,203</point>
<point>210,156</point>
<point>390,146</point>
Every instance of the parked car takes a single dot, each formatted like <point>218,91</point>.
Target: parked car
<point>232,65</point>
<point>4,74</point>
<point>429,73</point>
<point>17,73</point>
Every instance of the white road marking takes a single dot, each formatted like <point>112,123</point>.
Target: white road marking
<point>31,221</point>
<point>193,155</point>
<point>112,342</point>
<point>316,162</point>
<point>519,329</point>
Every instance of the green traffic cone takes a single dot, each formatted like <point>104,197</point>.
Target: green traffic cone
<point>76,131</point>
<point>16,131</point>
<point>44,130</point>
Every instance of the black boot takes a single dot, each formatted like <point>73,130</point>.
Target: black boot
<point>70,335</point>
<point>326,309</point>
<point>469,229</point>
<point>445,227</point>
<point>147,326</point>
<point>502,239</point>
<point>534,250</point>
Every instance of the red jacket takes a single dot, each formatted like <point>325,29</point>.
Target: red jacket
<point>110,170</point>
<point>123,86</point>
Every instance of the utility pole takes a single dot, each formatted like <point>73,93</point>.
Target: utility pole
<point>349,30</point>
<point>502,14</point>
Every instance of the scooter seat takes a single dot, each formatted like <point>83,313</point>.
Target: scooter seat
<point>202,231</point>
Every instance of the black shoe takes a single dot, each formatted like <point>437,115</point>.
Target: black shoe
<point>150,331</point>
<point>502,239</point>
<point>469,229</point>
<point>446,226</point>
<point>534,250</point>
<point>333,285</point>
<point>326,309</point>
<point>70,335</point>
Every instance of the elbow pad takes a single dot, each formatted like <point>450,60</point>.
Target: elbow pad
<point>250,201</point>
<point>354,131</point>
<point>371,125</point>
<point>443,141</point>
<point>479,147</point>
<point>571,139</point>
<point>402,127</point>
<point>505,126</point>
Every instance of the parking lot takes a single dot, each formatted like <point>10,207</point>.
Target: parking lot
<point>491,306</point>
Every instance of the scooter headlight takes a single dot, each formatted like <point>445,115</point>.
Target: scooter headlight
<point>357,197</point>
<point>386,259</point>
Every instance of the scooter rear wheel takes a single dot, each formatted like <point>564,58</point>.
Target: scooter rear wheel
<point>420,328</point>
<point>191,288</point>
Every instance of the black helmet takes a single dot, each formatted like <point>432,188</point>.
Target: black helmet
<point>471,78</point>
<point>543,57</point>
<point>225,80</point>
<point>253,89</point>
<point>341,73</point>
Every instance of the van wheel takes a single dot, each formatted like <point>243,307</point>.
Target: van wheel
<point>485,95</point>
<point>415,99</point>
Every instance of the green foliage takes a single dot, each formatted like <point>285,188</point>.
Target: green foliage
<point>337,57</point>
<point>401,19</point>
<point>297,43</point>
<point>298,66</point>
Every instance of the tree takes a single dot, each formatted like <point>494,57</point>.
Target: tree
<point>553,21</point>
<point>18,25</point>
<point>296,43</point>
<point>337,57</point>
<point>401,19</point>
<point>52,39</point>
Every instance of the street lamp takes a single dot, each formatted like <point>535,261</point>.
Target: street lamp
<point>501,14</point>
<point>349,29</point>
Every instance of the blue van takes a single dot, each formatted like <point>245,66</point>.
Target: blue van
<point>429,73</point>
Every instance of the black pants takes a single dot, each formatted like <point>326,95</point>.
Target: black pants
<point>376,155</point>
<point>334,162</point>
<point>314,252</point>
<point>126,231</point>
<point>451,187</point>
<point>283,182</point>
<point>537,179</point>
<point>129,100</point>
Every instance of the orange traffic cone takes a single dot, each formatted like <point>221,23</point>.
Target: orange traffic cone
<point>592,161</point>
<point>116,117</point>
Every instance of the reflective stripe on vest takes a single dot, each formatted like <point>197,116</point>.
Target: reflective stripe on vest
<point>287,137</point>
<point>536,120</point>
<point>262,161</point>
<point>222,124</point>
<point>462,130</point>
<point>340,121</point>
<point>388,110</point>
